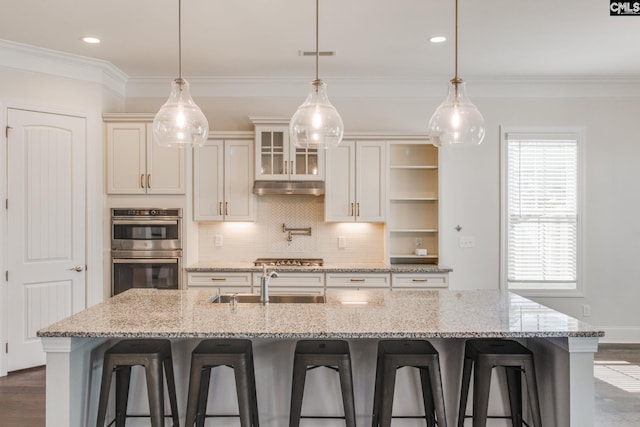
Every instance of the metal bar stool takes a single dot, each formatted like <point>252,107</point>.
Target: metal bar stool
<point>236,354</point>
<point>481,356</point>
<point>152,354</point>
<point>420,354</point>
<point>332,354</point>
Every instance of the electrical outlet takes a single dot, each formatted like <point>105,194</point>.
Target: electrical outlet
<point>218,240</point>
<point>586,310</point>
<point>466,241</point>
<point>342,242</point>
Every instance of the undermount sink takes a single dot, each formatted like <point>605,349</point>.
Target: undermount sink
<point>273,299</point>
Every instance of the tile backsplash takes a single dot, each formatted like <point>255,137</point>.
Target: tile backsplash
<point>245,241</point>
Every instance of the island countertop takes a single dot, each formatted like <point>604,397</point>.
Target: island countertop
<point>151,313</point>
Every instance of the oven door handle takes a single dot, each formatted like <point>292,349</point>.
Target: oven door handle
<point>144,222</point>
<point>144,260</point>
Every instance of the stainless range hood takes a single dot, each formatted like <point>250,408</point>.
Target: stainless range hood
<point>310,188</point>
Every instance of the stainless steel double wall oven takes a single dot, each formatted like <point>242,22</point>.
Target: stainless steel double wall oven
<point>146,249</point>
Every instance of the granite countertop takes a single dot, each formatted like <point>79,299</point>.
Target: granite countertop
<point>212,267</point>
<point>156,313</point>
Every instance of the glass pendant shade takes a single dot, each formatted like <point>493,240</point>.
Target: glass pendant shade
<point>316,123</point>
<point>180,122</point>
<point>456,121</point>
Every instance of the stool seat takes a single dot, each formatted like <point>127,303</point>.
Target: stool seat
<point>153,355</point>
<point>481,356</point>
<point>310,354</point>
<point>234,353</point>
<point>420,354</point>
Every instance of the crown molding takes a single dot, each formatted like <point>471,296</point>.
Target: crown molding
<point>54,63</point>
<point>59,64</point>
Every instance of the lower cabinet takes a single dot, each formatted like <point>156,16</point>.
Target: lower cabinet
<point>292,283</point>
<point>358,280</point>
<point>418,280</point>
<point>224,282</point>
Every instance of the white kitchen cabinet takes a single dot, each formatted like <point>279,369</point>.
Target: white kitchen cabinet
<point>358,281</point>
<point>356,182</point>
<point>413,202</point>
<point>223,180</point>
<point>137,165</point>
<point>224,282</point>
<point>278,160</point>
<point>292,282</point>
<point>419,280</point>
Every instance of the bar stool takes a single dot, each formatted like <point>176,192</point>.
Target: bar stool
<point>332,354</point>
<point>395,354</point>
<point>236,354</point>
<point>152,354</point>
<point>487,354</point>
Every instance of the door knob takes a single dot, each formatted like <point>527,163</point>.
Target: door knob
<point>76,268</point>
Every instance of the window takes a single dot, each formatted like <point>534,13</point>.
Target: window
<point>541,218</point>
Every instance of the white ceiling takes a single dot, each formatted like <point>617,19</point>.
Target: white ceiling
<point>372,38</point>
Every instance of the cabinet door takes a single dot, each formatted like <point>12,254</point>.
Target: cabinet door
<point>370,181</point>
<point>306,164</point>
<point>238,181</point>
<point>272,152</point>
<point>226,281</point>
<point>126,158</point>
<point>208,189</point>
<point>419,280</point>
<point>165,167</point>
<point>358,280</point>
<point>340,197</point>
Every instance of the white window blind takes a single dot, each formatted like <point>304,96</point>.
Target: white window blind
<point>542,211</point>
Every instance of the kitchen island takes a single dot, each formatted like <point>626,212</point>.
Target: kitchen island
<point>563,347</point>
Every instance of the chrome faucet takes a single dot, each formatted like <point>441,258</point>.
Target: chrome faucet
<point>264,284</point>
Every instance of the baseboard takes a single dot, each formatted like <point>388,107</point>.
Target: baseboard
<point>621,335</point>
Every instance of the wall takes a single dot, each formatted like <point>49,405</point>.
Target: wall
<point>264,238</point>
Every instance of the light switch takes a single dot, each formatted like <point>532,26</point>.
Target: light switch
<point>466,241</point>
<point>342,242</point>
<point>218,240</point>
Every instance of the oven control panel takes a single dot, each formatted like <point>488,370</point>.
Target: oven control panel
<point>157,212</point>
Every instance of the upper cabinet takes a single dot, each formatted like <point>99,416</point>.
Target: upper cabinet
<point>278,160</point>
<point>223,180</point>
<point>137,165</point>
<point>356,182</point>
<point>413,202</point>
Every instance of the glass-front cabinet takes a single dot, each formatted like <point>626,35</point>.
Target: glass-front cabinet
<point>277,159</point>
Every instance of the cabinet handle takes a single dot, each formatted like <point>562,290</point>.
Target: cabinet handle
<point>357,280</point>
<point>351,211</point>
<point>149,181</point>
<point>220,208</point>
<point>226,208</point>
<point>358,209</point>
<point>286,171</point>
<point>141,180</point>
<point>419,280</point>
<point>218,279</point>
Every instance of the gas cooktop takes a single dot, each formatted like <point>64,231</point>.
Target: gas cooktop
<point>289,262</point>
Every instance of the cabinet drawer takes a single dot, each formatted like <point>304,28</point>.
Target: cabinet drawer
<point>293,279</point>
<point>357,280</point>
<point>295,290</point>
<point>220,280</point>
<point>417,281</point>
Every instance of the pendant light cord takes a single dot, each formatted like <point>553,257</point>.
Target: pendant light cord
<point>180,39</point>
<point>317,80</point>
<point>456,45</point>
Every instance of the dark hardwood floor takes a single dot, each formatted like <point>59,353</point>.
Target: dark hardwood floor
<point>22,398</point>
<point>617,390</point>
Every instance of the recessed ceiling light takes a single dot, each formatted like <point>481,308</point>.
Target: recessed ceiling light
<point>90,40</point>
<point>437,39</point>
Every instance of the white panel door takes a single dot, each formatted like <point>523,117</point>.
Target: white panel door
<point>340,197</point>
<point>165,167</point>
<point>126,158</point>
<point>208,188</point>
<point>46,218</point>
<point>370,181</point>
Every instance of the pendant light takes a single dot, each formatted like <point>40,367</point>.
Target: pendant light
<point>316,123</point>
<point>456,121</point>
<point>180,122</point>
